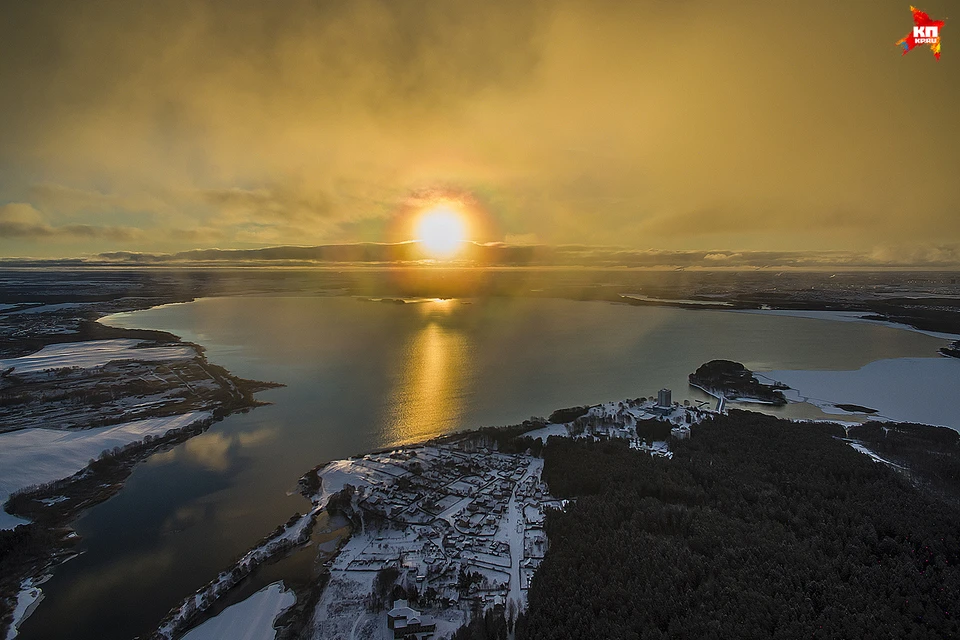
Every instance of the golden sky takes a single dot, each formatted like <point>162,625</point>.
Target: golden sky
<point>685,125</point>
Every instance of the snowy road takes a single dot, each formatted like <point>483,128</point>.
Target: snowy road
<point>514,527</point>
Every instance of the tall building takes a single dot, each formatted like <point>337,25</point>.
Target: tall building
<point>664,398</point>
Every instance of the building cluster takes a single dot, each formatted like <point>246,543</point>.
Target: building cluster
<point>463,527</point>
<point>462,524</point>
<point>646,423</point>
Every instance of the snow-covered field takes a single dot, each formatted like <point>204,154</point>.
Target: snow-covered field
<point>925,390</point>
<point>550,430</point>
<point>357,473</point>
<point>95,353</point>
<point>37,456</point>
<point>678,301</point>
<point>251,619</point>
<point>844,316</point>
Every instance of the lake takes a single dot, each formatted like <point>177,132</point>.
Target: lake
<point>362,375</point>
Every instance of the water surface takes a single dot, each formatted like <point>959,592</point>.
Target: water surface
<point>362,375</point>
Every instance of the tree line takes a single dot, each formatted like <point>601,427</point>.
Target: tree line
<point>756,528</point>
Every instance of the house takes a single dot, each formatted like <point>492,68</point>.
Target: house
<point>680,433</point>
<point>409,623</point>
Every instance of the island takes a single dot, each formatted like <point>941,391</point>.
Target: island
<point>732,381</point>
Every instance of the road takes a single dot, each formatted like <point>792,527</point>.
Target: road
<point>514,526</point>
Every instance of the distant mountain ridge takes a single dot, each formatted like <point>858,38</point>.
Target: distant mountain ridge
<point>505,254</point>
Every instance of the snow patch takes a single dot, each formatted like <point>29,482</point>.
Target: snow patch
<point>95,353</point>
<point>37,456</point>
<point>339,473</point>
<point>845,316</point>
<point>862,449</point>
<point>27,600</point>
<point>250,619</point>
<point>52,308</point>
<point>676,301</point>
<point>291,535</point>
<point>547,431</point>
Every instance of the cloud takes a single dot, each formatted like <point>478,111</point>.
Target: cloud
<point>253,123</point>
<point>722,257</point>
<point>268,206</point>
<point>22,221</point>
<point>522,238</point>
<point>71,201</point>
<point>19,216</point>
<point>947,255</point>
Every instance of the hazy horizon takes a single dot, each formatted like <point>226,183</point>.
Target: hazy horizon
<point>495,255</point>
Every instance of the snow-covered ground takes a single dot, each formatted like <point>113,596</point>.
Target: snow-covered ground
<point>678,301</point>
<point>251,619</point>
<point>844,316</point>
<point>486,538</point>
<point>27,600</point>
<point>293,534</point>
<point>547,431</point>
<point>358,473</point>
<point>862,449</point>
<point>37,456</point>
<point>51,308</point>
<point>95,353</point>
<point>924,390</point>
<point>656,448</point>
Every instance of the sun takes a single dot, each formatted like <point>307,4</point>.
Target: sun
<point>441,231</point>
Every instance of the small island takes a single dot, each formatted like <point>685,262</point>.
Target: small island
<point>952,350</point>
<point>734,381</point>
<point>855,408</point>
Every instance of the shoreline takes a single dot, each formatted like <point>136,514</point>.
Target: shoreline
<point>64,519</point>
<point>46,539</point>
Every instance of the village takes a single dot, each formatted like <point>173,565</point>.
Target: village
<point>453,526</point>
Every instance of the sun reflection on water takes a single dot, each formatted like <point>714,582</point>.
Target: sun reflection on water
<point>429,397</point>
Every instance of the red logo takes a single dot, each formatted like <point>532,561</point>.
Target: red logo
<point>925,31</point>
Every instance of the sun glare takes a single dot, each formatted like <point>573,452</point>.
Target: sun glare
<point>441,231</point>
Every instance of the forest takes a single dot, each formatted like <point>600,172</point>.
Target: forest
<point>732,378</point>
<point>757,528</point>
<point>931,454</point>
